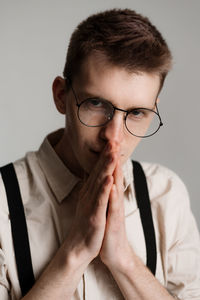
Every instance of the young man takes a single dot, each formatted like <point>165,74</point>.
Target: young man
<point>88,239</point>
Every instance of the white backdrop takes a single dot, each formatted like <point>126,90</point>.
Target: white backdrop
<point>34,36</point>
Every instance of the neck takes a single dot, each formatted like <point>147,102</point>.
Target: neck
<point>65,152</point>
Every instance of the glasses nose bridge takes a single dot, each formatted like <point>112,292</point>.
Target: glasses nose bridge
<point>120,110</point>
<point>115,125</point>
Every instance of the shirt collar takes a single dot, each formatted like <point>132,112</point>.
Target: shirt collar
<point>58,176</point>
<point>128,174</point>
<point>130,204</point>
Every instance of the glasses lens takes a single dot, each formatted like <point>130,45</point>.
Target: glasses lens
<point>95,112</point>
<point>142,122</point>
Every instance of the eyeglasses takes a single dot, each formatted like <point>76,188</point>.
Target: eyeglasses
<point>97,112</point>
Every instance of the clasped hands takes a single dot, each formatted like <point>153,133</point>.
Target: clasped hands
<point>99,224</point>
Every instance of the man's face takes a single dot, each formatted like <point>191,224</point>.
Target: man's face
<point>124,90</point>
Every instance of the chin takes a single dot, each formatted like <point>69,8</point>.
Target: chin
<point>88,165</point>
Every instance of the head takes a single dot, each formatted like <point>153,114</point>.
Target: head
<point>117,55</point>
<point>126,39</point>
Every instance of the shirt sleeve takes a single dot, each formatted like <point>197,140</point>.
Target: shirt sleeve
<point>4,284</point>
<point>184,251</point>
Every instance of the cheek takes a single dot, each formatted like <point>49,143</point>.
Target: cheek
<point>129,147</point>
<point>72,122</point>
<point>79,134</point>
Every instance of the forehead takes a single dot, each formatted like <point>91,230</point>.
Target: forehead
<point>125,89</point>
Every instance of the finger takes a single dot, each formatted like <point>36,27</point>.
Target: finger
<point>96,180</point>
<point>118,177</point>
<point>98,166</point>
<point>116,199</point>
<point>106,158</point>
<point>114,208</point>
<point>107,170</point>
<point>104,167</point>
<point>103,198</point>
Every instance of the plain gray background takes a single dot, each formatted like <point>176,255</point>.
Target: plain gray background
<point>34,35</point>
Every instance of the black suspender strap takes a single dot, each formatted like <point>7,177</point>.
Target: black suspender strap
<point>144,205</point>
<point>18,228</point>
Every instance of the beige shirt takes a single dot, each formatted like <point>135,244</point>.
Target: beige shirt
<point>48,191</point>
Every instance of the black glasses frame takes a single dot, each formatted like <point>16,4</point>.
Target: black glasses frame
<point>113,112</point>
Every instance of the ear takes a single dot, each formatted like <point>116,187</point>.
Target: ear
<point>59,94</point>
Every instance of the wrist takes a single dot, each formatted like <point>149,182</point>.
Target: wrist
<point>73,260</point>
<point>123,262</point>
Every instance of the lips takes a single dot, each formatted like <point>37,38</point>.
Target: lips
<point>97,153</point>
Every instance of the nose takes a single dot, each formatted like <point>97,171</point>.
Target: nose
<point>113,131</point>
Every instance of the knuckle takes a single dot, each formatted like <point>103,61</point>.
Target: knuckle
<point>94,221</point>
<point>101,201</point>
<point>99,180</point>
<point>103,190</point>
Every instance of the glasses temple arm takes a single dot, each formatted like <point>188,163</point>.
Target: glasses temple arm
<point>70,85</point>
<point>161,123</point>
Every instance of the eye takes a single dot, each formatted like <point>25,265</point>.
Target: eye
<point>136,114</point>
<point>94,103</point>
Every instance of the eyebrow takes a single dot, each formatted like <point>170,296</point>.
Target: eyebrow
<point>87,95</point>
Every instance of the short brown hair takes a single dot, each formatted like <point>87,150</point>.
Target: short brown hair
<point>126,38</point>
